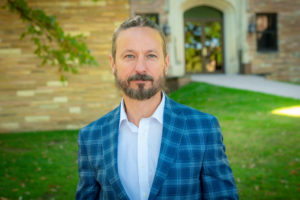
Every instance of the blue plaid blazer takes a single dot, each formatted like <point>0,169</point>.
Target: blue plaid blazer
<point>192,163</point>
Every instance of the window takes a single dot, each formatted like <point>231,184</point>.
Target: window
<point>152,16</point>
<point>266,32</point>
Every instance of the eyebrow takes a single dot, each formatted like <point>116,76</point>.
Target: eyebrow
<point>131,50</point>
<point>126,51</point>
<point>152,50</point>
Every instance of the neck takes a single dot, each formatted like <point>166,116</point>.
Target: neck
<point>137,109</point>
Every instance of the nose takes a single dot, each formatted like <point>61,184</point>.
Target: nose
<point>140,65</point>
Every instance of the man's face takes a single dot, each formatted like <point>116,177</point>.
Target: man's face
<point>139,66</point>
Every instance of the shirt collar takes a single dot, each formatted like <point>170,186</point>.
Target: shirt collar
<point>158,114</point>
<point>123,115</point>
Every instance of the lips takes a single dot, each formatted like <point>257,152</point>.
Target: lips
<point>139,81</point>
<point>140,78</point>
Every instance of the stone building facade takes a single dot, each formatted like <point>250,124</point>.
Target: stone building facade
<point>255,37</point>
<point>32,96</point>
<point>283,61</point>
<point>204,36</point>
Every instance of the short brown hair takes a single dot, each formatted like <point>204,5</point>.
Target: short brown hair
<point>137,21</point>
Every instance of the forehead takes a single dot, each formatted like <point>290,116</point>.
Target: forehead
<point>138,38</point>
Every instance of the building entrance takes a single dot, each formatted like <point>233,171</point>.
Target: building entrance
<point>203,40</point>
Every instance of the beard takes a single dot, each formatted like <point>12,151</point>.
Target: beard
<point>140,93</point>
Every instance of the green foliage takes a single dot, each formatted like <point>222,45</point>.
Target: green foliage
<point>203,51</point>
<point>52,44</point>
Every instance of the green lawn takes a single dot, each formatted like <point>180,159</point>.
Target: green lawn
<point>263,148</point>
<point>39,165</point>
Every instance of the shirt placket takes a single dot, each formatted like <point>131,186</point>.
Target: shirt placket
<point>143,158</point>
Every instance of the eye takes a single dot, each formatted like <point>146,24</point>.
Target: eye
<point>152,56</point>
<point>130,56</point>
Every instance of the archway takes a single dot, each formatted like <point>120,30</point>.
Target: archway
<point>231,33</point>
<point>203,28</point>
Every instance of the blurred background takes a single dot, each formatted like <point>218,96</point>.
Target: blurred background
<point>205,37</point>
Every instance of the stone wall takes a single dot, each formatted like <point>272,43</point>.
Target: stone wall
<point>31,96</point>
<point>285,63</point>
<point>149,6</point>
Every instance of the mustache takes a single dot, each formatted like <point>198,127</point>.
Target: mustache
<point>140,77</point>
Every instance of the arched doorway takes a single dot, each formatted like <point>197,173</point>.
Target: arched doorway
<point>203,33</point>
<point>234,28</point>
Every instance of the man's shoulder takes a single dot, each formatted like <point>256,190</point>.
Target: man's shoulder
<point>96,125</point>
<point>187,111</point>
<point>196,123</point>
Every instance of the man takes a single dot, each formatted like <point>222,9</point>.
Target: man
<point>150,147</point>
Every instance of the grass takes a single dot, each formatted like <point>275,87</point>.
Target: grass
<point>39,165</point>
<point>263,149</point>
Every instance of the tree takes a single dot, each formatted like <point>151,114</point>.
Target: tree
<point>53,45</point>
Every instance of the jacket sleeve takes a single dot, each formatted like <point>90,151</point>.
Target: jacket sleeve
<point>216,176</point>
<point>88,188</point>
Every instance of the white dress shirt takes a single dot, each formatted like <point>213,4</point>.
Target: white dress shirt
<point>138,151</point>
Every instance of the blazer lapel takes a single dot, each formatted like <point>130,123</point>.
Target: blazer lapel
<point>110,149</point>
<point>173,127</point>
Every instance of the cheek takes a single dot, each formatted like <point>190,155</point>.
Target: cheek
<point>158,71</point>
<point>124,68</point>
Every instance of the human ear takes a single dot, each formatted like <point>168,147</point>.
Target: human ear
<point>112,64</point>
<point>166,63</point>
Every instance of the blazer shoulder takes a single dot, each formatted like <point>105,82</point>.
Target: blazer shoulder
<point>187,111</point>
<point>96,125</point>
